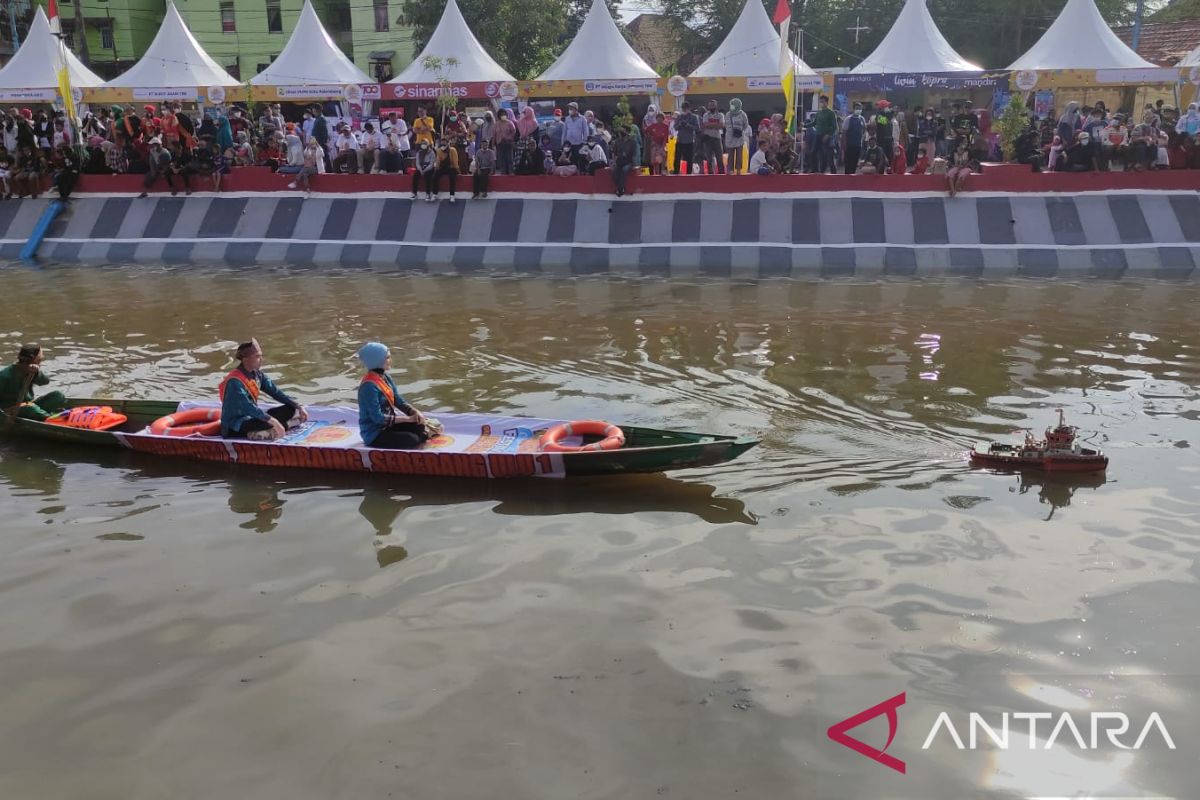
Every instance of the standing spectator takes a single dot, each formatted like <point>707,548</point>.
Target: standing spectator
<point>66,172</point>
<point>482,168</point>
<point>320,132</point>
<point>712,151</point>
<point>854,130</point>
<point>554,130</point>
<point>737,126</point>
<point>686,128</point>
<point>220,165</point>
<point>422,128</point>
<point>927,134</point>
<point>505,135</point>
<point>447,164</point>
<point>575,132</point>
<point>824,129</point>
<point>658,133</point>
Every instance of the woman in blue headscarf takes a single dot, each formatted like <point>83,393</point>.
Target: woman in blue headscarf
<point>385,418</point>
<point>224,132</point>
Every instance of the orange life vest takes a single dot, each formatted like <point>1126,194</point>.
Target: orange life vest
<point>381,384</point>
<point>237,375</point>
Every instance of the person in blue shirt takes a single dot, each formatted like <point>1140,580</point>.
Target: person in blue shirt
<point>385,419</point>
<point>241,416</point>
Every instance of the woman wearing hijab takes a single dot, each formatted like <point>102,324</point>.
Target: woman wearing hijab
<point>737,125</point>
<point>241,417</point>
<point>385,418</point>
<point>224,133</point>
<point>1069,122</point>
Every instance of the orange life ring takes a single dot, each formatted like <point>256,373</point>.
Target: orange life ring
<point>204,421</point>
<point>614,437</point>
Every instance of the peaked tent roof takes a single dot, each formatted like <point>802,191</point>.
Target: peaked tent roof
<point>1192,59</point>
<point>1080,39</point>
<point>453,37</point>
<point>914,44</point>
<point>174,59</point>
<point>598,52</point>
<point>33,65</point>
<point>310,57</point>
<point>750,50</point>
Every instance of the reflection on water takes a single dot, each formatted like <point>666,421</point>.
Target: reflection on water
<point>632,636</point>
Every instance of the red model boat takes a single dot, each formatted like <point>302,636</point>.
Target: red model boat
<point>1058,452</point>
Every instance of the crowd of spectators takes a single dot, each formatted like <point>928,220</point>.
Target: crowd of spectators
<point>165,142</point>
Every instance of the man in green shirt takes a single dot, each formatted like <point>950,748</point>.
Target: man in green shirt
<point>16,387</point>
<point>825,127</point>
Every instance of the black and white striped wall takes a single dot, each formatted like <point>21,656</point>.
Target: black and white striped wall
<point>1103,234</point>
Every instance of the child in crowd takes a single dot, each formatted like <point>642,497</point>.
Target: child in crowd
<point>220,162</point>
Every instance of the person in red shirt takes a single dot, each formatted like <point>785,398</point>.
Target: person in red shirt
<point>899,160</point>
<point>151,124</point>
<point>658,133</point>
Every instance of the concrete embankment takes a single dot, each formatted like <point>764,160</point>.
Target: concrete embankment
<point>1143,233</point>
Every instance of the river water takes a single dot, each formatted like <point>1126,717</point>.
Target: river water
<point>175,630</point>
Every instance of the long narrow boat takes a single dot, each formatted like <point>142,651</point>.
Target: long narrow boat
<point>471,445</point>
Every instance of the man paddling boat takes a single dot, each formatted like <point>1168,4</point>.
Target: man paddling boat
<point>16,387</point>
<point>241,418</point>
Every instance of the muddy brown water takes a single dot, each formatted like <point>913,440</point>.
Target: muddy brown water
<point>179,630</point>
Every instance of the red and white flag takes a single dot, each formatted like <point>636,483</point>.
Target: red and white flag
<point>52,13</point>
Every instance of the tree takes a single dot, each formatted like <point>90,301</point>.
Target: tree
<point>1013,122</point>
<point>441,68</point>
<point>524,36</point>
<point>623,118</point>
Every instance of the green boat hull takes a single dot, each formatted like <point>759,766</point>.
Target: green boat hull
<point>645,450</point>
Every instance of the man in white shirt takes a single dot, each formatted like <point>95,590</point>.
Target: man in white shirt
<point>369,145</point>
<point>346,148</point>
<point>760,162</point>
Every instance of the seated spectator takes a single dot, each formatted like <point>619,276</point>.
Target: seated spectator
<point>220,164</point>
<point>1114,143</point>
<point>368,150</point>
<point>960,170</point>
<point>922,165</point>
<point>1079,156</point>
<point>27,180</point>
<point>760,162</point>
<point>566,167</point>
<point>243,153</point>
<point>313,158</point>
<point>874,160</point>
<point>597,159</point>
<point>899,160</point>
<point>183,166</point>
<point>159,162</point>
<point>1143,143</point>
<point>346,148</point>
<point>293,154</point>
<point>6,174</point>
<point>447,164</point>
<point>1026,150</point>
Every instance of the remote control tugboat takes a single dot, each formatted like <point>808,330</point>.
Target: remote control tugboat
<point>1058,452</point>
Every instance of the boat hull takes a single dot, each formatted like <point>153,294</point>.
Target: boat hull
<point>486,456</point>
<point>1010,459</point>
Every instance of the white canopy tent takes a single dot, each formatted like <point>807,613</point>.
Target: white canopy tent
<point>914,44</point>
<point>1192,59</point>
<point>35,64</point>
<point>174,60</point>
<point>1080,39</point>
<point>751,50</point>
<point>598,52</point>
<point>453,37</point>
<point>310,58</point>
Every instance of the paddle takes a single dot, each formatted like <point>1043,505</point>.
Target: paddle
<point>10,413</point>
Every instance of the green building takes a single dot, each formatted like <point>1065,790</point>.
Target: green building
<point>245,36</point>
<point>117,31</point>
